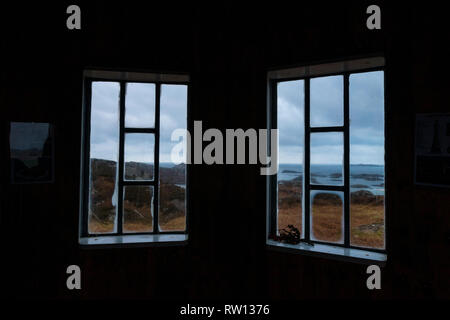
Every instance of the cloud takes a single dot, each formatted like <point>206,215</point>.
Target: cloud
<point>140,112</point>
<point>290,100</point>
<point>366,119</point>
<point>366,104</point>
<point>173,115</point>
<point>139,147</point>
<point>104,133</point>
<point>366,154</point>
<point>140,105</point>
<point>327,101</point>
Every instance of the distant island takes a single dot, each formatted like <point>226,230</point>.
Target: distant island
<point>291,171</point>
<point>368,176</point>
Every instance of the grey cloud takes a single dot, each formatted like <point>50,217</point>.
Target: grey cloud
<point>366,113</point>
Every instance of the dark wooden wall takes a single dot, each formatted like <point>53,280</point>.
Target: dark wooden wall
<point>227,48</point>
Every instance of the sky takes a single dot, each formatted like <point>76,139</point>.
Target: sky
<point>326,108</point>
<point>366,119</point>
<point>140,112</point>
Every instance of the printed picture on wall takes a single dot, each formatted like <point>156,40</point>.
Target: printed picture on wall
<point>432,149</point>
<point>31,152</point>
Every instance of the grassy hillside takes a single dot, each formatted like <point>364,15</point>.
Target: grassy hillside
<point>138,200</point>
<point>366,215</point>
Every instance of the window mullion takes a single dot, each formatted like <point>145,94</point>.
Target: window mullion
<point>156,153</point>
<point>327,129</point>
<point>273,202</point>
<point>346,161</point>
<point>121,157</point>
<point>306,173</point>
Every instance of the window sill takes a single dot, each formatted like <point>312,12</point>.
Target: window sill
<point>329,251</point>
<point>127,241</point>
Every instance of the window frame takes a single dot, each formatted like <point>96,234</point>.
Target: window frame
<point>343,68</point>
<point>122,78</point>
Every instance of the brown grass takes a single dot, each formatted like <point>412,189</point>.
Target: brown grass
<point>366,216</point>
<point>327,222</point>
<point>138,226</point>
<point>289,205</point>
<point>366,223</point>
<point>291,215</point>
<point>96,226</point>
<point>175,224</point>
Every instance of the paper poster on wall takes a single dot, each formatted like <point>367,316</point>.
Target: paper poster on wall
<point>432,150</point>
<point>31,152</point>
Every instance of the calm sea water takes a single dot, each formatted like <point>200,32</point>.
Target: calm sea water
<point>362,177</point>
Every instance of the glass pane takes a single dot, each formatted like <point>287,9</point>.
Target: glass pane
<point>327,216</point>
<point>104,148</point>
<point>327,101</point>
<point>139,156</point>
<point>327,156</point>
<point>140,105</point>
<point>290,105</point>
<point>137,209</point>
<point>367,159</point>
<point>172,174</point>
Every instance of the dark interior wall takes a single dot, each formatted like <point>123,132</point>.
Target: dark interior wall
<point>227,49</point>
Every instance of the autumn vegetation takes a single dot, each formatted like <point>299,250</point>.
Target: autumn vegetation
<point>366,215</point>
<point>138,201</point>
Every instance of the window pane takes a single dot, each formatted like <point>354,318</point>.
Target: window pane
<point>290,105</point>
<point>327,101</point>
<point>327,216</point>
<point>139,156</point>
<point>367,159</point>
<point>327,156</point>
<point>137,209</point>
<point>172,174</point>
<point>140,105</point>
<point>104,147</point>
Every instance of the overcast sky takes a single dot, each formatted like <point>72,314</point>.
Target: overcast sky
<point>366,117</point>
<point>140,112</point>
<point>366,112</point>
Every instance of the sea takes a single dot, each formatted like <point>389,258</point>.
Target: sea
<point>362,176</point>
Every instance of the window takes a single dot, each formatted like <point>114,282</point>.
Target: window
<point>328,194</point>
<point>131,190</point>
